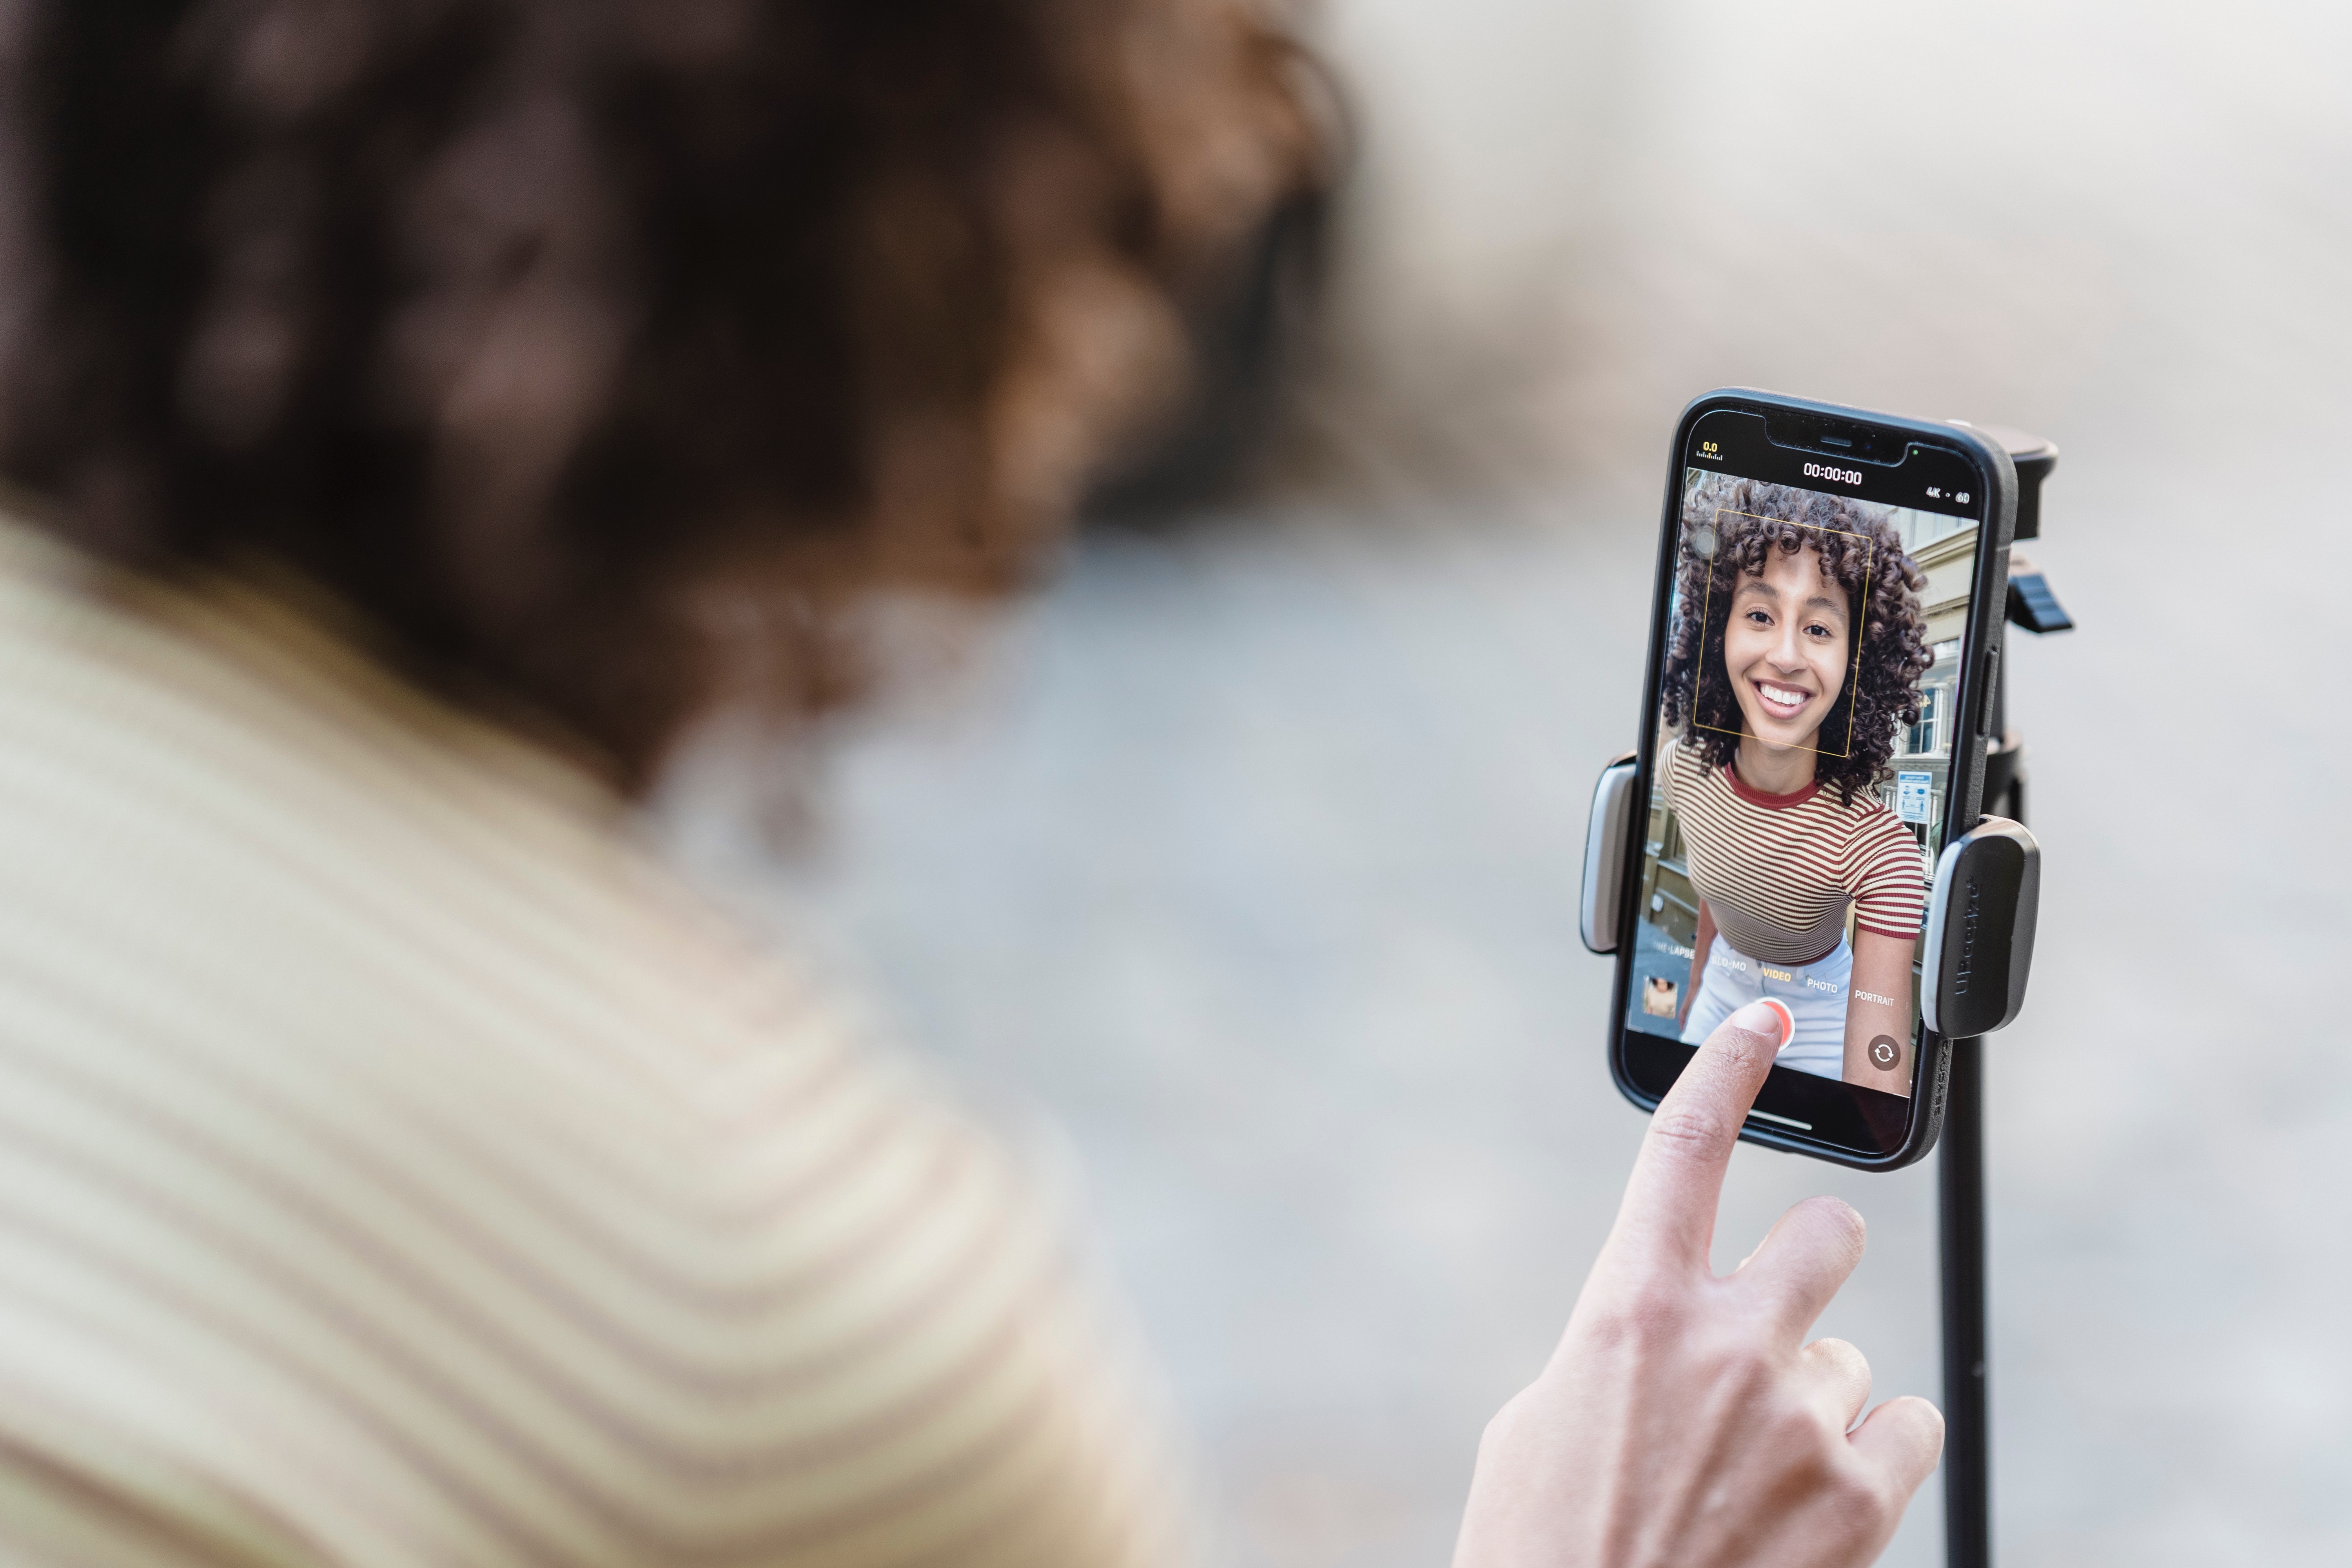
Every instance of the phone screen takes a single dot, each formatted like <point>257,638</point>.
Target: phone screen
<point>1802,758</point>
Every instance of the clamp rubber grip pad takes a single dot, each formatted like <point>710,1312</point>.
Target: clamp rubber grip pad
<point>1981,920</point>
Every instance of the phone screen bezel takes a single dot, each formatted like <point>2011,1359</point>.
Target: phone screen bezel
<point>1851,1125</point>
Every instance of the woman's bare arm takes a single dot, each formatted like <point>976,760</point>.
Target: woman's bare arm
<point>1878,1008</point>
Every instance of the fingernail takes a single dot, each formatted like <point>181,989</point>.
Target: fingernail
<point>1769,1017</point>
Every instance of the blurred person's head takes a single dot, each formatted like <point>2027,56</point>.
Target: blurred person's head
<point>601,354</point>
<point>1777,584</point>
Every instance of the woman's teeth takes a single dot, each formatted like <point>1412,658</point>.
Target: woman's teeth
<point>1781,695</point>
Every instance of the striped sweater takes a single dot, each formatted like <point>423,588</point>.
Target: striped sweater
<point>1779,871</point>
<point>397,1168</point>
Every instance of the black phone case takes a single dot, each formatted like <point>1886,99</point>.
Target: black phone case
<point>1964,802</point>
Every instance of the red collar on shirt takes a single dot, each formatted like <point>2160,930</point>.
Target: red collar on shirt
<point>1769,802</point>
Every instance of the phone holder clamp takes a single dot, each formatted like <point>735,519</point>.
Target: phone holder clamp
<point>1981,909</point>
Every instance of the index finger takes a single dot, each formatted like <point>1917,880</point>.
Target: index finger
<point>1669,1207</point>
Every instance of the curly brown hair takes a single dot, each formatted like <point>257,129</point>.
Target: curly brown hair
<point>601,354</point>
<point>1729,528</point>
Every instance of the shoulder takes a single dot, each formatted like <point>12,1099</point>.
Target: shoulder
<point>1679,766</point>
<point>1873,818</point>
<point>1874,832</point>
<point>381,952</point>
<point>1664,765</point>
<point>1864,819</point>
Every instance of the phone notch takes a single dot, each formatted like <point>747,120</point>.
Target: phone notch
<point>1836,438</point>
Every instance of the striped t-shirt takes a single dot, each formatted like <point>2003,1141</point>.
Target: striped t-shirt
<point>399,1170</point>
<point>1778,870</point>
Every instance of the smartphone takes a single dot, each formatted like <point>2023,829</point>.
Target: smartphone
<point>1824,638</point>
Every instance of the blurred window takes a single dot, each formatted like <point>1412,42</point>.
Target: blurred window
<point>1920,738</point>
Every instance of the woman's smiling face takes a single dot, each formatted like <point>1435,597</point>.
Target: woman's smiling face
<point>1786,648</point>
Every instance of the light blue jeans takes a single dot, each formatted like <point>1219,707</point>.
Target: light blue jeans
<point>1815,995</point>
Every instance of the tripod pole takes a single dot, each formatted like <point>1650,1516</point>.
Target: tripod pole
<point>1959,1183</point>
<point>1967,1504</point>
<point>1960,1201</point>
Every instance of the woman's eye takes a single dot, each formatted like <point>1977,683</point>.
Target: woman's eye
<point>1759,619</point>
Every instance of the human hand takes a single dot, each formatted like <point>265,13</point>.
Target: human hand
<point>1684,1420</point>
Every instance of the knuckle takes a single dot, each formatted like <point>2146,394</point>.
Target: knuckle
<point>1743,1371</point>
<point>1855,1497</point>
<point>1650,1311</point>
<point>1842,1354</point>
<point>1687,1128</point>
<point>1742,1047</point>
<point>1796,1427</point>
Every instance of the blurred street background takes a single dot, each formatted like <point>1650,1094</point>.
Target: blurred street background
<point>1245,856</point>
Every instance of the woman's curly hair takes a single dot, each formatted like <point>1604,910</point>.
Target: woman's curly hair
<point>1730,527</point>
<point>601,355</point>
